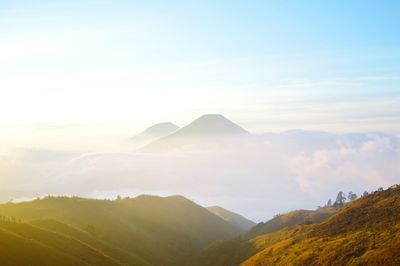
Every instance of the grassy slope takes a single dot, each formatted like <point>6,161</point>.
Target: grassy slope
<point>169,231</point>
<point>161,231</point>
<point>290,219</point>
<point>95,242</point>
<point>366,232</point>
<point>234,251</point>
<point>23,244</point>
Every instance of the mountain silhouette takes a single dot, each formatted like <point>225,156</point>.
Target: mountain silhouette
<point>160,129</point>
<point>211,124</point>
<point>154,132</point>
<point>209,128</point>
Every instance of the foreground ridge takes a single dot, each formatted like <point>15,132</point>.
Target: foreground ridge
<point>366,232</point>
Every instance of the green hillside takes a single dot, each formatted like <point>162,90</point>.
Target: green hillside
<point>146,230</point>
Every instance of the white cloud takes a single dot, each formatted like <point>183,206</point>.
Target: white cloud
<point>257,177</point>
<point>368,164</point>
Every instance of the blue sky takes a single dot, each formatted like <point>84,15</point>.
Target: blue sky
<point>176,31</point>
<point>268,65</point>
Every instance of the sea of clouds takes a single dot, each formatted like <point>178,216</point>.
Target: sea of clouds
<point>258,175</point>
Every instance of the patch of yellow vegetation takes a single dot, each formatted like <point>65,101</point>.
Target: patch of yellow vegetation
<point>367,232</point>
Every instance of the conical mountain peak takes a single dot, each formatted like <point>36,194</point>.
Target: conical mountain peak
<point>212,124</point>
<point>206,130</point>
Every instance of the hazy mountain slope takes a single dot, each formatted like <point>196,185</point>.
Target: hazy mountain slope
<point>154,132</point>
<point>34,253</point>
<point>161,231</point>
<point>366,232</point>
<point>233,218</point>
<point>290,219</point>
<point>204,130</point>
<point>23,244</point>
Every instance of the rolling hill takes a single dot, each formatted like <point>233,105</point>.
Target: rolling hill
<point>146,230</point>
<point>151,230</point>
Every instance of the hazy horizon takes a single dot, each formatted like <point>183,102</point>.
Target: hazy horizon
<point>316,85</point>
<point>256,175</point>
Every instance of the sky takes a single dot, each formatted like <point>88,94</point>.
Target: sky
<point>79,78</point>
<point>111,69</point>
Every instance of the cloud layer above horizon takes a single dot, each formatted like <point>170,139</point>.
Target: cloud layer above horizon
<point>257,176</point>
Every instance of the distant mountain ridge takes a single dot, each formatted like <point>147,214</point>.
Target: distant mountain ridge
<point>154,132</point>
<point>160,129</point>
<point>235,219</point>
<point>203,130</point>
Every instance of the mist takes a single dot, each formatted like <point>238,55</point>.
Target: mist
<point>256,175</point>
